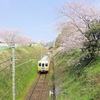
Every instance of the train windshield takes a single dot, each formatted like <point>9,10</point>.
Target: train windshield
<point>43,64</point>
<point>46,64</point>
<point>39,64</point>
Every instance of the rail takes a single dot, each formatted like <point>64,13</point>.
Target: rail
<point>35,88</point>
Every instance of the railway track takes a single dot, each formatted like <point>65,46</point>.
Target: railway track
<point>40,90</point>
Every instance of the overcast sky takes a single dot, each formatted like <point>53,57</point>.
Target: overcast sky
<point>33,18</point>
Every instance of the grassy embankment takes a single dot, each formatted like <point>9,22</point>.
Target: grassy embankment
<point>25,74</point>
<point>76,83</point>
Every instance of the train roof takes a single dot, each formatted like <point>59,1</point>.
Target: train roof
<point>45,58</point>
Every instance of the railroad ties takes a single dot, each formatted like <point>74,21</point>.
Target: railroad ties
<point>40,91</point>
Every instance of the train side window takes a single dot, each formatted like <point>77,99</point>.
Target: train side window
<point>46,64</point>
<point>42,64</point>
<point>39,64</point>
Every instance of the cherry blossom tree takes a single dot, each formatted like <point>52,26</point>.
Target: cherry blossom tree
<point>70,38</point>
<point>10,37</point>
<point>42,42</point>
<point>78,18</point>
<point>80,15</point>
<point>23,40</point>
<point>14,37</point>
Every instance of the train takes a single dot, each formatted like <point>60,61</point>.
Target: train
<point>44,63</point>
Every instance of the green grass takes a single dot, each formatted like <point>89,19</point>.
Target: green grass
<point>26,81</point>
<point>85,86</point>
<point>25,74</point>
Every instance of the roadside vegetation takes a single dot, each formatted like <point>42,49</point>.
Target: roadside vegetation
<point>77,64</point>
<point>25,73</point>
<point>77,72</point>
<point>76,82</point>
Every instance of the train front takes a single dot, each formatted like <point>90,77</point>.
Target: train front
<point>43,64</point>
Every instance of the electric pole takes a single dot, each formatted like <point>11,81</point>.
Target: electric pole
<point>13,71</point>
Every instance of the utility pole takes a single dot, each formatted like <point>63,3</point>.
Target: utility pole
<point>41,50</point>
<point>54,44</point>
<point>13,72</point>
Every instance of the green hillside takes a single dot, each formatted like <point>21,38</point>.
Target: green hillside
<point>75,82</point>
<point>25,73</point>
